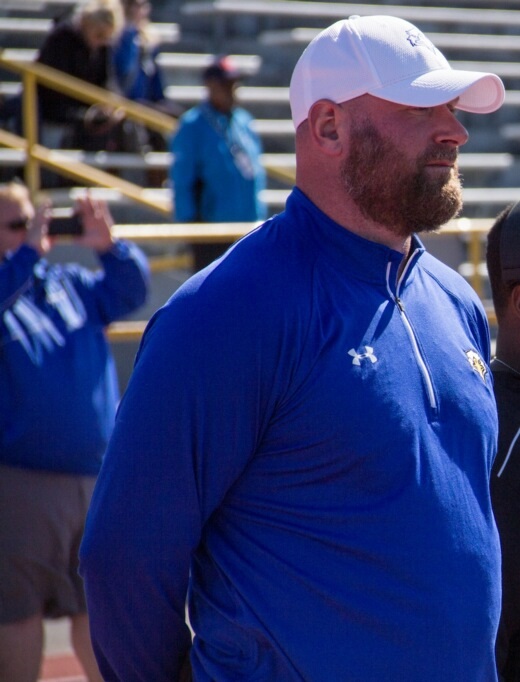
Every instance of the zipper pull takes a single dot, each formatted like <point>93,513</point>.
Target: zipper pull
<point>399,303</point>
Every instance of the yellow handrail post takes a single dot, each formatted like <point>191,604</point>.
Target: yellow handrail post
<point>30,130</point>
<point>475,258</point>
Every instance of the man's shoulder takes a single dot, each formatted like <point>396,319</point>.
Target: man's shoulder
<point>269,265</point>
<point>192,124</point>
<point>257,291</point>
<point>243,114</point>
<point>446,276</point>
<point>193,115</point>
<point>270,250</point>
<point>64,41</point>
<point>64,31</point>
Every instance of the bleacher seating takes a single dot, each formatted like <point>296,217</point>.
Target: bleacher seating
<point>266,37</point>
<point>163,33</point>
<point>459,42</point>
<point>475,34</point>
<point>326,12</point>
<point>185,61</point>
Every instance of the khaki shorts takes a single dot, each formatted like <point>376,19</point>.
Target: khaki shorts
<point>42,517</point>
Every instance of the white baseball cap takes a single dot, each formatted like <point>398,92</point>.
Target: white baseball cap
<point>388,58</point>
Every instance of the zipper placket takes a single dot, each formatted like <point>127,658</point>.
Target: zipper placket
<point>415,346</point>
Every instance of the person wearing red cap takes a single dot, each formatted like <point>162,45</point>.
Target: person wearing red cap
<point>304,447</point>
<point>503,264</point>
<point>217,175</point>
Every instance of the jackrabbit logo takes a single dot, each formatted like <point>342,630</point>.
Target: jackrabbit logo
<point>417,39</point>
<point>476,362</point>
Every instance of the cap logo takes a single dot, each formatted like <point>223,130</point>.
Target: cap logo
<point>416,39</point>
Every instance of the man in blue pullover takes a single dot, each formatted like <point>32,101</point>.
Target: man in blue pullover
<point>305,445</point>
<point>58,395</point>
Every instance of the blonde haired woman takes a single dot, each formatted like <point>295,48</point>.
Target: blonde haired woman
<point>82,47</point>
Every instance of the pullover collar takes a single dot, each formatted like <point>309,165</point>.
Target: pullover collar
<point>368,261</point>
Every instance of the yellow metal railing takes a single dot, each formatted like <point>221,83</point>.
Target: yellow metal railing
<point>34,74</point>
<point>472,231</point>
<point>38,156</point>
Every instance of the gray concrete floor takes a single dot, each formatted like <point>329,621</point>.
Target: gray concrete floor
<point>57,639</point>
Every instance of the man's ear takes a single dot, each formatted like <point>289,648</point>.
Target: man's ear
<point>515,301</point>
<point>324,119</point>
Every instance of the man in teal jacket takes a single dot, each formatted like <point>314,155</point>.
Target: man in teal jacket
<point>217,175</point>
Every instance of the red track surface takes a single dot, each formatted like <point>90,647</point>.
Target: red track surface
<point>62,668</point>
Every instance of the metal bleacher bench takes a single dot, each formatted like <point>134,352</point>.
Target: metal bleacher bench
<point>162,160</point>
<point>300,37</point>
<point>24,25</point>
<point>327,11</point>
<point>511,131</point>
<point>168,61</point>
<point>491,197</point>
<point>246,95</point>
<point>35,5</point>
<point>248,64</point>
<point>162,32</point>
<point>253,95</point>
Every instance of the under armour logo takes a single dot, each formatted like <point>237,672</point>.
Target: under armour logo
<point>367,355</point>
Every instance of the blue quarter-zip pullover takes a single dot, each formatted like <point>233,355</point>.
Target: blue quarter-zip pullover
<point>306,444</point>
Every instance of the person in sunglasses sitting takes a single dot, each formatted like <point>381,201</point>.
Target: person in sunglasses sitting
<point>58,395</point>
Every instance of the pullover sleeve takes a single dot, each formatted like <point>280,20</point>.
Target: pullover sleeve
<point>119,287</point>
<point>15,273</point>
<point>184,173</point>
<point>180,447</point>
<point>127,58</point>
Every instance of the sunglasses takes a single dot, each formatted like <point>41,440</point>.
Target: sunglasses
<point>18,224</point>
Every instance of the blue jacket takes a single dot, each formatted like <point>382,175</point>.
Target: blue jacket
<point>58,387</point>
<point>216,173</point>
<point>136,69</point>
<point>309,444</point>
